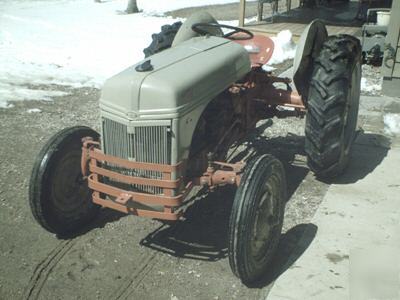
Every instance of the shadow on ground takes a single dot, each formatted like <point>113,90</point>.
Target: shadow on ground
<point>285,148</point>
<point>104,217</point>
<point>292,245</point>
<point>203,233</point>
<point>369,150</point>
<point>204,237</point>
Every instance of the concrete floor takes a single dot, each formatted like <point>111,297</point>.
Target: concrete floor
<point>351,247</point>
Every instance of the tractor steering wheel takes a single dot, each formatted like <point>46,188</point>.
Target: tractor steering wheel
<point>200,28</point>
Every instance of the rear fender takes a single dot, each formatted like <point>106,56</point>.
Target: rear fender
<point>308,48</point>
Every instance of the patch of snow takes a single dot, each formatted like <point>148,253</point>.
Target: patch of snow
<point>367,85</point>
<point>6,105</point>
<point>284,47</point>
<point>12,92</point>
<point>173,297</point>
<point>34,110</point>
<point>392,123</point>
<point>268,68</point>
<point>74,43</point>
<point>81,43</point>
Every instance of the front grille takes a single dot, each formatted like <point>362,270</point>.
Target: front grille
<point>151,144</point>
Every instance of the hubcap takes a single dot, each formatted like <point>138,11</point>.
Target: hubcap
<point>265,219</point>
<point>69,190</point>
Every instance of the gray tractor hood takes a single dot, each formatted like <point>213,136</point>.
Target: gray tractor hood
<point>181,78</point>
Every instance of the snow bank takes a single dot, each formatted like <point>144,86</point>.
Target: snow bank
<point>392,123</point>
<point>11,92</point>
<point>80,43</point>
<point>75,43</point>
<point>34,110</point>
<point>369,86</point>
<point>284,49</point>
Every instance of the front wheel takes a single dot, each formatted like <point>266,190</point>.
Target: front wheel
<point>256,219</point>
<point>59,197</point>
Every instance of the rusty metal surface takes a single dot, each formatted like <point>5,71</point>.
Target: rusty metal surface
<point>87,143</point>
<point>171,216</point>
<point>259,85</point>
<point>143,198</point>
<point>106,195</point>
<point>100,156</point>
<point>260,49</point>
<point>221,173</point>
<point>123,200</point>
<point>168,184</point>
<point>282,97</point>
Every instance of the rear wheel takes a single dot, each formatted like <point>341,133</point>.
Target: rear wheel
<point>256,219</point>
<point>162,40</point>
<point>333,102</point>
<point>59,196</point>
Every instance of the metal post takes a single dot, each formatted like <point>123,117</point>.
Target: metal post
<point>242,12</point>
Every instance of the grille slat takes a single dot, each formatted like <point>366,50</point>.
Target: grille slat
<point>147,144</point>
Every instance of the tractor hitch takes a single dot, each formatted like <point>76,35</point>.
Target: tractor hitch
<point>221,173</point>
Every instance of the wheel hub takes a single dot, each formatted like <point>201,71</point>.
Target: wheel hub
<point>264,222</point>
<point>69,190</point>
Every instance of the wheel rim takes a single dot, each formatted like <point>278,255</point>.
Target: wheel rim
<point>265,219</point>
<point>69,190</point>
<point>351,111</point>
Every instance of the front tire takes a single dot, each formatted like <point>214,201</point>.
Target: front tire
<point>333,102</point>
<point>256,219</point>
<point>59,197</point>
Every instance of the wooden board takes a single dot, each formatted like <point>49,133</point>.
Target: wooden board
<point>398,54</point>
<point>297,29</point>
<point>396,70</point>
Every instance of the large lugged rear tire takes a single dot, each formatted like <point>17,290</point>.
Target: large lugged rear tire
<point>162,40</point>
<point>333,103</point>
<point>256,219</point>
<point>59,197</point>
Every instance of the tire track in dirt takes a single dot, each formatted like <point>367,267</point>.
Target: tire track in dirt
<point>126,289</point>
<point>44,268</point>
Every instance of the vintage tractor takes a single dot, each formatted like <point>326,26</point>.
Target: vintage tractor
<point>169,122</point>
